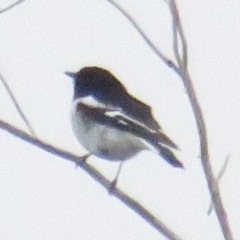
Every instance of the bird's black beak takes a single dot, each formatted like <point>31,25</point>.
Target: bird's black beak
<point>70,74</point>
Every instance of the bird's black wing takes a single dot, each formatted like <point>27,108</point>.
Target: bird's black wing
<point>113,117</point>
<point>140,111</point>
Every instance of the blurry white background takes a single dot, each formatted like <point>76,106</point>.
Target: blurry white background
<point>45,197</point>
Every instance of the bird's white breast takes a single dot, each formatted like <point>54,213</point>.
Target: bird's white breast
<point>104,141</point>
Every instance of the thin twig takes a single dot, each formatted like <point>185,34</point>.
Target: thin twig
<point>17,106</point>
<point>11,6</point>
<point>187,81</point>
<point>175,37</point>
<point>154,48</point>
<point>224,168</point>
<point>95,174</point>
<point>219,177</point>
<point>211,181</point>
<point>178,31</point>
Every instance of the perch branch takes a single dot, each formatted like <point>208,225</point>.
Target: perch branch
<point>95,174</point>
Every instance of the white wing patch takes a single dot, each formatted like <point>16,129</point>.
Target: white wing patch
<point>91,102</point>
<point>124,119</point>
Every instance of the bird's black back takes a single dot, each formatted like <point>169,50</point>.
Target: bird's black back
<point>106,88</point>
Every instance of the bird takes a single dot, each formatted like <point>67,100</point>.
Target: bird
<point>112,124</point>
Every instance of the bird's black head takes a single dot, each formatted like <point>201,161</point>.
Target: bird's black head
<point>97,82</point>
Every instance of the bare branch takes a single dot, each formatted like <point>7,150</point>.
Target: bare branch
<point>205,160</point>
<point>96,175</point>
<point>219,177</point>
<point>11,6</point>
<point>175,36</point>
<point>178,31</point>
<point>17,106</point>
<point>153,47</point>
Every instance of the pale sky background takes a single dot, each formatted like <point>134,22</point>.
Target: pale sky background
<point>45,197</point>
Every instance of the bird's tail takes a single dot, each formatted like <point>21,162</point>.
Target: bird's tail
<point>164,145</point>
<point>169,156</point>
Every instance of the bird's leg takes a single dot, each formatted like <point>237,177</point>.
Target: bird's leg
<point>114,182</point>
